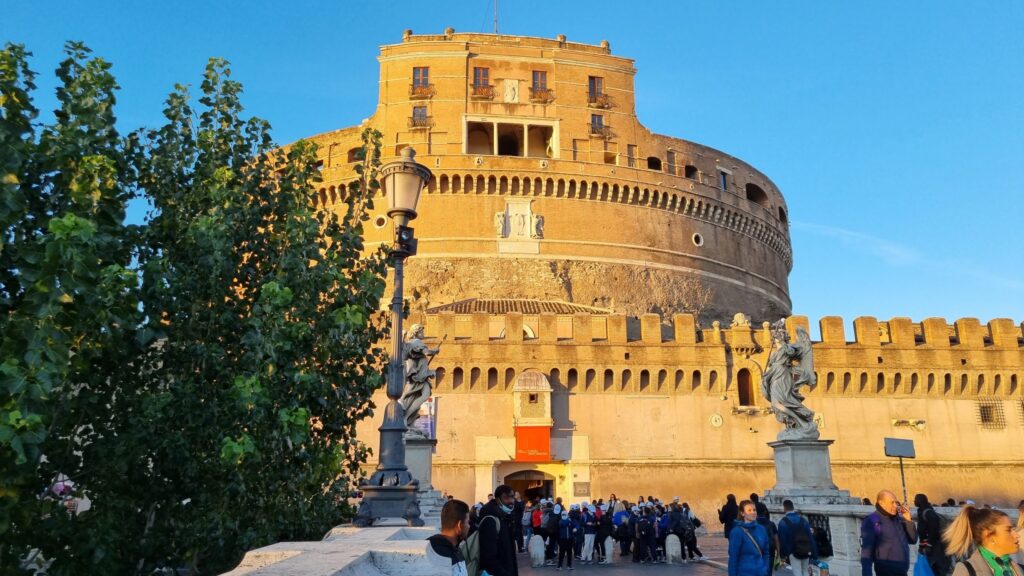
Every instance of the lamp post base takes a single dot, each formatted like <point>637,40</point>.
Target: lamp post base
<point>389,502</point>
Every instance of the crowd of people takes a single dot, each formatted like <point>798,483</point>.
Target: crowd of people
<point>486,537</point>
<point>570,532</point>
<point>980,541</point>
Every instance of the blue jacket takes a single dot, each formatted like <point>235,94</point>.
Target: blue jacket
<point>566,529</point>
<point>663,525</point>
<point>620,517</point>
<point>746,559</point>
<point>885,542</point>
<point>788,526</point>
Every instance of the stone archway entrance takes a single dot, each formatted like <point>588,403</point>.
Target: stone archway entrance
<point>532,484</point>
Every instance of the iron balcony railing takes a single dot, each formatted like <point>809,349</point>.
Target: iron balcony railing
<point>541,95</point>
<point>421,91</point>
<point>601,131</point>
<point>481,92</point>
<point>595,100</point>
<point>421,122</point>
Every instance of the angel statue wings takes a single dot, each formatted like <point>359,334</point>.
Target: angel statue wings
<point>790,367</point>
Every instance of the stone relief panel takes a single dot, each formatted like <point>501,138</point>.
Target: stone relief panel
<point>510,90</point>
<point>518,221</point>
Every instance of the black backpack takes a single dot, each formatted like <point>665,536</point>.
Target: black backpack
<point>644,527</point>
<point>801,540</point>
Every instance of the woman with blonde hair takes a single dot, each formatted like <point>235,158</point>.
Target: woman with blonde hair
<point>987,538</point>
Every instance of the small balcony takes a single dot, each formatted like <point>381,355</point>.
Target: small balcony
<point>421,122</point>
<point>541,95</point>
<point>596,100</point>
<point>421,91</point>
<point>481,92</point>
<point>601,131</point>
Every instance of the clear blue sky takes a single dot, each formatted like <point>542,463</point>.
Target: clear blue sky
<point>894,129</point>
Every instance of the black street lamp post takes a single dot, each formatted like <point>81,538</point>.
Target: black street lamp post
<point>391,491</point>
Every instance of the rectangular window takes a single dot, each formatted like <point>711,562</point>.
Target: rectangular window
<point>631,155</point>
<point>723,179</point>
<point>596,122</point>
<point>421,76</point>
<point>481,77</point>
<point>534,398</point>
<point>671,157</point>
<point>419,113</point>
<point>540,80</point>
<point>596,86</point>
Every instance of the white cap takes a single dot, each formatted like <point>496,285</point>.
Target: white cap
<point>635,509</point>
<point>676,499</point>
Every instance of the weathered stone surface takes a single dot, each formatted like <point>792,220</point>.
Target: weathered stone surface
<point>536,551</point>
<point>673,550</point>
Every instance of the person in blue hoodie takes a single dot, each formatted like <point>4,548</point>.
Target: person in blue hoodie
<point>748,544</point>
<point>566,537</point>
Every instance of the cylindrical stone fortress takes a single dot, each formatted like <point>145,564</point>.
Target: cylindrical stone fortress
<point>546,186</point>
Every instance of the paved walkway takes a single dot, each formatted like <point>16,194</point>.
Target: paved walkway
<point>714,549</point>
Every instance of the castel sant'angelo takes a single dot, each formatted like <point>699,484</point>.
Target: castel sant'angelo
<point>605,293</point>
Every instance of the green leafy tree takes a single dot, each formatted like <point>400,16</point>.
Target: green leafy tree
<point>67,304</point>
<point>199,377</point>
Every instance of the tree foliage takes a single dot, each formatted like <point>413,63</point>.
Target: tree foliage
<point>199,376</point>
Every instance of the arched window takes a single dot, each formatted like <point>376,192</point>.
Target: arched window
<point>510,377</point>
<point>492,378</point>
<point>589,381</point>
<point>572,379</point>
<point>690,172</point>
<point>626,376</point>
<point>645,380</point>
<point>354,155</point>
<point>745,387</point>
<point>782,215</point>
<point>609,379</point>
<point>439,378</point>
<point>695,381</point>
<point>474,378</point>
<point>653,163</point>
<point>456,378</point>
<point>756,194</point>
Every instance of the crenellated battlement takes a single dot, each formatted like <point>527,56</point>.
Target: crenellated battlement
<point>649,329</point>
<point>613,353</point>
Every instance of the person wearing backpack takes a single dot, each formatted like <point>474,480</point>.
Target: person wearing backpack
<point>796,540</point>
<point>551,529</point>
<point>497,544</point>
<point>567,528</point>
<point>689,524</point>
<point>527,523</point>
<point>443,549</point>
<point>929,536</point>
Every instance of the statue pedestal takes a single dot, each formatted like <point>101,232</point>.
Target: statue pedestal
<point>803,474</point>
<point>419,457</point>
